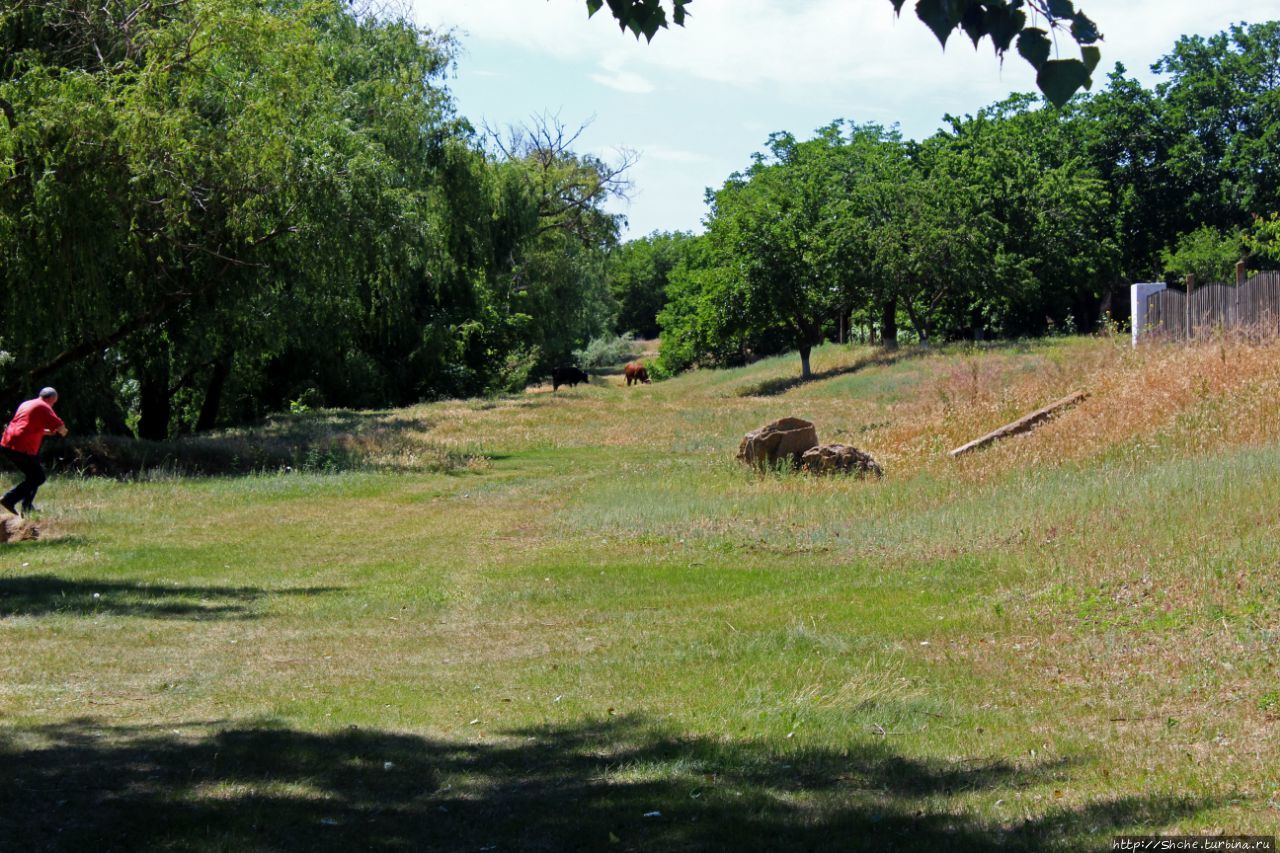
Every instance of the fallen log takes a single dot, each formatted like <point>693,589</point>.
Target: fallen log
<point>1022,424</point>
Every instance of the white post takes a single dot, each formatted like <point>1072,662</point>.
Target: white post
<point>1138,294</point>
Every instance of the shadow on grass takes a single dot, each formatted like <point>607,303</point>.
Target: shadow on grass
<point>328,441</point>
<point>46,540</point>
<point>884,358</point>
<point>624,784</point>
<point>45,595</point>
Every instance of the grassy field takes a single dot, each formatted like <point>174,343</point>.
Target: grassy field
<point>571,621</point>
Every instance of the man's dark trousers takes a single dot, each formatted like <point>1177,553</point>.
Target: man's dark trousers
<point>32,470</point>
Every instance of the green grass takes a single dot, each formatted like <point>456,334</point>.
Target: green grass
<point>608,618</point>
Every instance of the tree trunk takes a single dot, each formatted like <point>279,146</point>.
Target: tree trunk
<point>213,395</point>
<point>889,323</point>
<point>805,372</point>
<point>156,399</point>
<point>922,328</point>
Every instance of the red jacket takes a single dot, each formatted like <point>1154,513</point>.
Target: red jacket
<point>26,430</point>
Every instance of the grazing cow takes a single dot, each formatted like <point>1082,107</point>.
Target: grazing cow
<point>636,372</point>
<point>570,376</point>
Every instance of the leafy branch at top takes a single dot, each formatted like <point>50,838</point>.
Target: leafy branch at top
<point>1027,23</point>
<point>1003,21</point>
<point>642,17</point>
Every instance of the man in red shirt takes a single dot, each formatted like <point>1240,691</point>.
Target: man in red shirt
<point>21,445</point>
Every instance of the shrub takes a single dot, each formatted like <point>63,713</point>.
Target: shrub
<point>1205,253</point>
<point>606,351</point>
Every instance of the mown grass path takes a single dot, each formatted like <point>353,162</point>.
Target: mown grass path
<point>608,636</point>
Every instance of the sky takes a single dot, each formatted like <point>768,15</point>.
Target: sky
<point>699,100</point>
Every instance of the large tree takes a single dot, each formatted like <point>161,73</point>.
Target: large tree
<point>1222,105</point>
<point>213,207</point>
<point>794,239</point>
<point>164,201</point>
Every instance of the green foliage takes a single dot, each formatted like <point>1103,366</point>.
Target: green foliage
<point>194,250</point>
<point>792,240</point>
<point>695,322</point>
<point>222,247</point>
<point>1263,239</point>
<point>1205,253</point>
<point>1019,220</point>
<point>1219,104</point>
<point>642,17</point>
<point>606,351</point>
<point>993,227</point>
<point>639,271</point>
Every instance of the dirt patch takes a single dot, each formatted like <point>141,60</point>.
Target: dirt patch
<point>17,529</point>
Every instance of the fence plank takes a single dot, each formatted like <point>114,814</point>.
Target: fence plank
<point>1252,305</point>
<point>1022,424</point>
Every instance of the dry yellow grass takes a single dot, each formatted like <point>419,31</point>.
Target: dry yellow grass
<point>1159,397</point>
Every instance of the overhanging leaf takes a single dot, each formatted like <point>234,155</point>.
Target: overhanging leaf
<point>1084,30</point>
<point>1061,8</point>
<point>651,25</point>
<point>1003,24</point>
<point>1035,47</point>
<point>1059,79</point>
<point>1091,56</point>
<point>941,16</point>
<point>974,22</point>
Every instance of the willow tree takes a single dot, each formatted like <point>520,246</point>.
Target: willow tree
<point>178,179</point>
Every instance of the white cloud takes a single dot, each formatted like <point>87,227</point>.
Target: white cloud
<point>624,81</point>
<point>558,28</point>
<point>826,43</point>
<point>765,65</point>
<point>666,154</point>
<point>615,76</point>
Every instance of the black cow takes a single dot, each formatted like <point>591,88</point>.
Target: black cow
<point>570,376</point>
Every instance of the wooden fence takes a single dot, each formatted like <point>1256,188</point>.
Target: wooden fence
<point>1252,305</point>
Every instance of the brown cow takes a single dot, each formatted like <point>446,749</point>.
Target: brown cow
<point>636,372</point>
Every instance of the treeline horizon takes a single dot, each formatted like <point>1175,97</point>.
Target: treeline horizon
<point>212,210</point>
<point>1021,220</point>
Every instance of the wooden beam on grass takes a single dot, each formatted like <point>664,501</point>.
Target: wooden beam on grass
<point>1025,423</point>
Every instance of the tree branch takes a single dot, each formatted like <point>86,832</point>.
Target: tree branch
<point>160,311</point>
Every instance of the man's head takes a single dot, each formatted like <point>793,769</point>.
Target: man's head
<point>49,395</point>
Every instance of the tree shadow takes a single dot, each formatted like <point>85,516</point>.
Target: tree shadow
<point>625,784</point>
<point>47,595</point>
<point>57,540</point>
<point>883,358</point>
<point>325,441</point>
